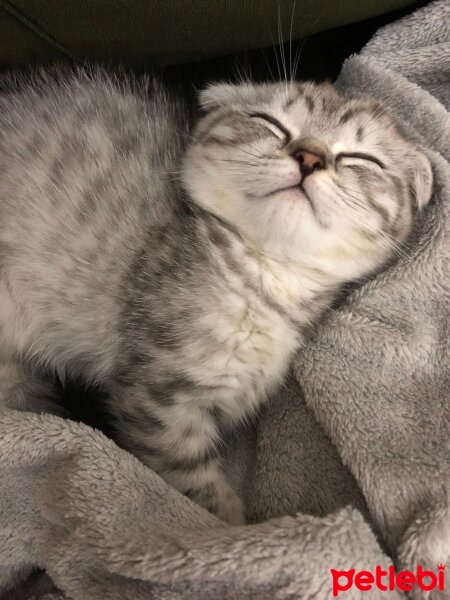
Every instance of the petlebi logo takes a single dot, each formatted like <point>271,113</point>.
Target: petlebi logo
<point>389,579</point>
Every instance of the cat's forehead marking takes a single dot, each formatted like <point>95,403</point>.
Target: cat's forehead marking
<point>320,97</point>
<point>290,101</point>
<point>349,114</point>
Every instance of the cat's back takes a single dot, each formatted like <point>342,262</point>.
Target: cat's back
<point>87,169</point>
<point>74,145</point>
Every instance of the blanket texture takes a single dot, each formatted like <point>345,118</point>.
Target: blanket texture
<point>348,467</point>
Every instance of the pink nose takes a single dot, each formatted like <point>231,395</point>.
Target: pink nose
<point>311,155</point>
<point>309,161</point>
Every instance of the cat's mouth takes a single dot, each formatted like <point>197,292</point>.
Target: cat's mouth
<point>298,187</point>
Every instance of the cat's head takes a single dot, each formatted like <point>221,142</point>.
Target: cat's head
<point>306,174</point>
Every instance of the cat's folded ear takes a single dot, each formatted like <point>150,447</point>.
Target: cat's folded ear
<point>421,179</point>
<point>217,95</point>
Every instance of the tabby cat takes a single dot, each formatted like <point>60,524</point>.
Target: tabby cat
<point>177,267</point>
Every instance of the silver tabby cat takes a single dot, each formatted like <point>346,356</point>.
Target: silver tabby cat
<point>181,271</point>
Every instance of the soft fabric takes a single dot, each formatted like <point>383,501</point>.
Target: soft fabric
<point>347,468</point>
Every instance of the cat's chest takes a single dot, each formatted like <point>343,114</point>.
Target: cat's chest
<point>246,352</point>
<point>257,327</point>
<point>258,340</point>
<point>248,324</point>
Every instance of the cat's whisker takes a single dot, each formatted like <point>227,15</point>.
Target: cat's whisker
<point>402,247</point>
<point>360,201</point>
<point>236,161</point>
<point>377,113</point>
<point>357,201</point>
<point>386,239</point>
<point>310,26</point>
<point>290,42</point>
<point>250,163</point>
<point>274,47</point>
<point>242,75</point>
<point>272,76</point>
<point>370,132</point>
<point>239,149</point>
<point>282,52</point>
<point>373,115</point>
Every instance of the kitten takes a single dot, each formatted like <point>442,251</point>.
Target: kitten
<point>185,297</point>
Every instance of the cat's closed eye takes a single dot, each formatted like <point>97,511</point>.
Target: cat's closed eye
<point>355,158</point>
<point>273,125</point>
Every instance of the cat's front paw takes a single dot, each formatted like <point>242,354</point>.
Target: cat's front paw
<point>229,507</point>
<point>231,510</point>
<point>221,500</point>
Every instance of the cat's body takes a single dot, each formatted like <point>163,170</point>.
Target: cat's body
<point>111,272</point>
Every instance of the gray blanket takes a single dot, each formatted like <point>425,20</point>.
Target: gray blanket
<point>349,466</point>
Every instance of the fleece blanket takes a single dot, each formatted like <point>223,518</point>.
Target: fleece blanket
<point>348,468</point>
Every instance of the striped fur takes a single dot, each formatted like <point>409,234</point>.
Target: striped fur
<point>185,300</point>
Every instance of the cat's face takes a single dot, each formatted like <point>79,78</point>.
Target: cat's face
<point>305,174</point>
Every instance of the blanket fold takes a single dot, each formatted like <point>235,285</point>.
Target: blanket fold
<point>104,526</point>
<point>348,466</point>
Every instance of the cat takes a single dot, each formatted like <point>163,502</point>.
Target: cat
<point>180,267</point>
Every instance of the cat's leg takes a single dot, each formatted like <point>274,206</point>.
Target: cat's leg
<point>178,440</point>
<point>22,389</point>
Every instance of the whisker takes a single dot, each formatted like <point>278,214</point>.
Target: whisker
<point>268,65</point>
<point>238,162</point>
<point>360,197</point>
<point>280,39</point>
<point>374,115</point>
<point>290,40</point>
<point>358,201</point>
<point>243,72</point>
<point>274,46</point>
<point>386,239</point>
<point>311,25</point>
<point>242,150</point>
<point>371,131</point>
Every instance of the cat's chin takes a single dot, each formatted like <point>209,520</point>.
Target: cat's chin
<point>294,194</point>
<point>300,193</point>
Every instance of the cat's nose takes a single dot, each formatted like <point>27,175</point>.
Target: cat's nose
<point>309,161</point>
<point>311,154</point>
